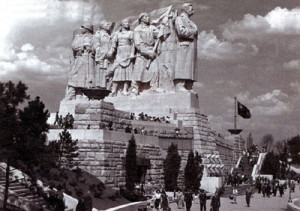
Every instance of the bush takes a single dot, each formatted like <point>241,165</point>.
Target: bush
<point>132,196</point>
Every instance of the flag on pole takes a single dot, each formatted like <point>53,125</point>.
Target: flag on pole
<point>243,111</point>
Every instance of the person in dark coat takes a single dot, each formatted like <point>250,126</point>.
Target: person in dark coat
<point>188,198</point>
<point>263,189</point>
<point>259,186</point>
<point>164,201</point>
<point>88,202</point>
<point>202,200</point>
<point>268,190</point>
<point>215,202</point>
<point>248,196</point>
<point>281,190</point>
<point>59,202</point>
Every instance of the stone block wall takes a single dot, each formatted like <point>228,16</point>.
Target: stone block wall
<point>98,114</point>
<point>203,141</point>
<point>105,160</point>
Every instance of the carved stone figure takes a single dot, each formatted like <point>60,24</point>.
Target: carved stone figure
<point>123,46</point>
<point>186,29</point>
<point>145,69</point>
<point>101,44</point>
<point>167,53</point>
<point>82,70</point>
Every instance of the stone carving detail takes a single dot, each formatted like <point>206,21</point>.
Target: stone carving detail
<point>153,53</point>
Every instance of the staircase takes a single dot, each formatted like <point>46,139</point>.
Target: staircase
<point>241,190</point>
<point>20,195</point>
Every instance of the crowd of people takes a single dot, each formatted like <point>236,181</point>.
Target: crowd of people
<point>145,117</point>
<point>64,122</point>
<point>184,200</point>
<point>266,187</point>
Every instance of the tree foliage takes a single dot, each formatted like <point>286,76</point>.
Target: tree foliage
<point>271,165</point>
<point>294,149</point>
<point>130,165</point>
<point>171,168</point>
<point>267,142</point>
<point>193,172</point>
<point>66,149</point>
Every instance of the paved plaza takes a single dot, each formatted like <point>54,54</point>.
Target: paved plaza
<point>257,203</point>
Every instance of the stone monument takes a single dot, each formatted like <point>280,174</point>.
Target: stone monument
<point>144,64</point>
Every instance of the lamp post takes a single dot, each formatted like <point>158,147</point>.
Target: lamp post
<point>289,160</point>
<point>177,131</point>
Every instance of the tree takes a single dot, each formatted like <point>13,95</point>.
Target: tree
<point>193,172</point>
<point>267,142</point>
<point>294,148</point>
<point>34,125</point>
<point>130,165</point>
<point>67,149</point>
<point>171,168</point>
<point>11,96</point>
<point>271,165</point>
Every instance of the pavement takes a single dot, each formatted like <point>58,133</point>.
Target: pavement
<point>257,203</point>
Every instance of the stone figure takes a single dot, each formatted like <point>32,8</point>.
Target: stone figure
<point>167,52</point>
<point>187,32</point>
<point>123,46</point>
<point>82,70</point>
<point>145,69</point>
<point>101,45</point>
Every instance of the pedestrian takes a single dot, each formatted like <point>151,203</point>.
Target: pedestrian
<point>234,193</point>
<point>59,201</point>
<point>259,186</point>
<point>56,118</point>
<point>281,190</point>
<point>215,202</point>
<point>164,201</point>
<point>275,189</point>
<point>263,189</point>
<point>180,200</point>
<point>248,196</point>
<point>188,198</point>
<point>202,200</point>
<point>268,190</point>
<point>157,199</point>
<point>88,202</point>
<point>293,186</point>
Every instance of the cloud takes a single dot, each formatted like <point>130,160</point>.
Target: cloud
<point>292,65</point>
<point>277,21</point>
<point>295,86</point>
<point>27,47</point>
<point>209,47</point>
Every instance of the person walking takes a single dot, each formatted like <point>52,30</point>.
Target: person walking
<point>281,190</point>
<point>215,202</point>
<point>180,200</point>
<point>248,196</point>
<point>263,189</point>
<point>268,190</point>
<point>234,193</point>
<point>188,198</point>
<point>157,198</point>
<point>202,200</point>
<point>164,201</point>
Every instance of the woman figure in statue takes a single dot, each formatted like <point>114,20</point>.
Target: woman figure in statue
<point>123,47</point>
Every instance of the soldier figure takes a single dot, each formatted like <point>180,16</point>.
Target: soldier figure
<point>187,32</point>
<point>145,70</point>
<point>101,44</point>
<point>82,71</point>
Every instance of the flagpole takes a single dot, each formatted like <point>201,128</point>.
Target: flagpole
<point>235,115</point>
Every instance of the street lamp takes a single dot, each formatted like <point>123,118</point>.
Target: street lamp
<point>289,160</point>
<point>177,131</point>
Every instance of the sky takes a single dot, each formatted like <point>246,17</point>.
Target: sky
<point>246,48</point>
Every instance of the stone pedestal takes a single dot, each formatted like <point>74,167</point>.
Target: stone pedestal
<point>164,104</point>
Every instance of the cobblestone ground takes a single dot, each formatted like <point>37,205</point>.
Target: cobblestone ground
<point>257,203</point>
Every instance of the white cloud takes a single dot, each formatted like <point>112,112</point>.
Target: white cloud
<point>277,21</point>
<point>27,47</point>
<point>209,47</point>
<point>292,65</point>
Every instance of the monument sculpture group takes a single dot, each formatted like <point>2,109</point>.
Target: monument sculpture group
<point>151,53</point>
